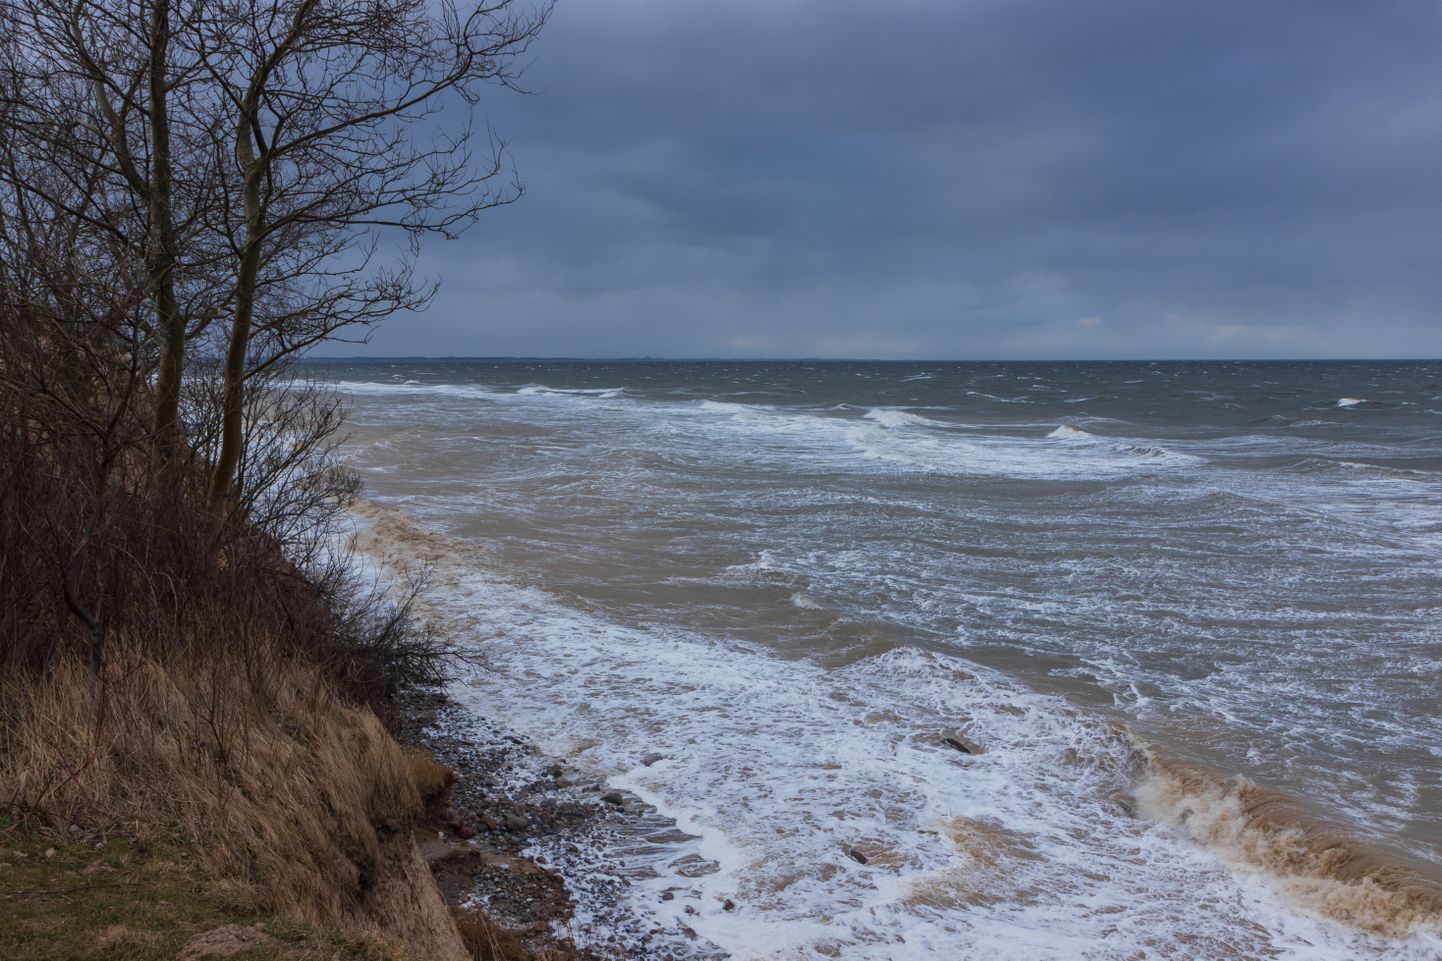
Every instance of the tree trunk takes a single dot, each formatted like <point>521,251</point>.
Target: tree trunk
<point>233,392</point>
<point>160,255</point>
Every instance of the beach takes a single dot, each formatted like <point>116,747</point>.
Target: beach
<point>592,530</point>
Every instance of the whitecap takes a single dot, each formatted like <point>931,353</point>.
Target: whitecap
<point>894,417</point>
<point>805,602</point>
<point>778,768</point>
<point>1000,400</point>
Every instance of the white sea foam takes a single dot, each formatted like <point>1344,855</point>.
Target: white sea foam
<point>727,407</point>
<point>1077,437</point>
<point>1237,633</point>
<point>894,417</point>
<point>417,389</point>
<point>893,439</point>
<point>541,390</point>
<point>805,602</point>
<point>779,768</point>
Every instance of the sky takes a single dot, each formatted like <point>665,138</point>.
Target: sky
<point>959,179</point>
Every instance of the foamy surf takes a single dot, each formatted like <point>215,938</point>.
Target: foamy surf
<point>783,772</point>
<point>1319,866</point>
<point>893,417</point>
<point>1081,438</point>
<point>1223,575</point>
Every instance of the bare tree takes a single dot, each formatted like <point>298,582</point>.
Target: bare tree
<point>261,160</point>
<point>97,93</point>
<point>346,121</point>
<point>187,179</point>
<point>71,372</point>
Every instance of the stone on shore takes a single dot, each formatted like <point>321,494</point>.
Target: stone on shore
<point>958,739</point>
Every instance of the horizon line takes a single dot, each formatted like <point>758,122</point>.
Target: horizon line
<point>646,358</point>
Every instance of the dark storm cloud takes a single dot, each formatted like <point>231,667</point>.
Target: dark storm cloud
<point>975,178</point>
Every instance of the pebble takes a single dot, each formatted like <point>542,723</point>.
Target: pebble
<point>533,818</point>
<point>962,743</point>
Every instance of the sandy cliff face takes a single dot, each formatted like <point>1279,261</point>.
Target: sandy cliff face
<point>406,906</point>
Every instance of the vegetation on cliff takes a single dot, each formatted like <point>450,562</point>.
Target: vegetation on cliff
<point>193,681</point>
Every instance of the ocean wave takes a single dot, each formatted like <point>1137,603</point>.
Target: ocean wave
<point>1321,865</point>
<point>895,417</point>
<point>731,409</point>
<point>1078,436</point>
<point>1003,455</point>
<point>416,388</point>
<point>381,387</point>
<point>541,390</point>
<point>778,769</point>
<point>806,603</point>
<point>1023,399</point>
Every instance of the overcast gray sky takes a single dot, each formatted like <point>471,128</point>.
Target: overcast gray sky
<point>960,179</point>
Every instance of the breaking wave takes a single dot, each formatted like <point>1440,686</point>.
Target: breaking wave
<point>892,417</point>
<point>1078,436</point>
<point>1319,865</point>
<point>1022,842</point>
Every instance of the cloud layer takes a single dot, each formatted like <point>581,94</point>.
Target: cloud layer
<point>959,179</point>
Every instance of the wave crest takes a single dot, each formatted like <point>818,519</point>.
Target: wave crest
<point>892,417</point>
<point>1316,864</point>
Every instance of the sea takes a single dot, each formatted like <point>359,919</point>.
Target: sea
<point>958,660</point>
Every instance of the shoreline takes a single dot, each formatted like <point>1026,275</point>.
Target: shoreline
<point>528,840</point>
<point>1321,876</point>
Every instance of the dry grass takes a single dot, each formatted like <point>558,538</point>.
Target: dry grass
<point>430,776</point>
<point>202,687</point>
<point>286,793</point>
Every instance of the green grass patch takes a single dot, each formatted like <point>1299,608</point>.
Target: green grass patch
<point>71,898</point>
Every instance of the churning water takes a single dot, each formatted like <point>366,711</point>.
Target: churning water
<point>1189,615</point>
